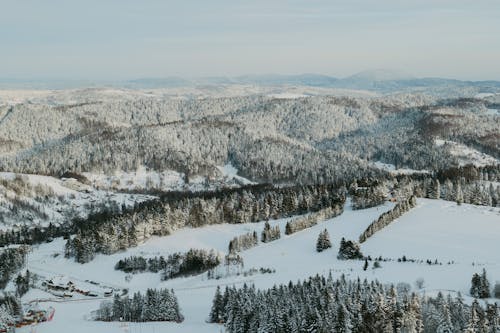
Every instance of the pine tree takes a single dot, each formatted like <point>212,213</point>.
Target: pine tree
<point>459,196</point>
<point>217,307</point>
<point>323,241</point>
<point>485,286</point>
<point>365,265</point>
<point>475,289</point>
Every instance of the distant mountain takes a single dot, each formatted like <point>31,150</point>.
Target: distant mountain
<point>315,80</point>
<point>380,80</point>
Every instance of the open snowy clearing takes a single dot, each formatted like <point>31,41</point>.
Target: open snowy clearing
<point>435,229</point>
<point>55,200</point>
<point>467,155</point>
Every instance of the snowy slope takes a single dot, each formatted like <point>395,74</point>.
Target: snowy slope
<point>467,155</point>
<point>47,199</point>
<point>168,180</point>
<point>435,229</point>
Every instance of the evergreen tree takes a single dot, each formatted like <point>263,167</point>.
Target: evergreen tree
<point>323,241</point>
<point>349,250</point>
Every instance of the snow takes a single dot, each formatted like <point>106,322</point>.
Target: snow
<point>287,95</point>
<point>467,155</point>
<point>167,180</point>
<point>138,180</point>
<point>229,172</point>
<point>435,229</point>
<point>484,95</point>
<point>492,112</point>
<point>391,168</point>
<point>57,198</point>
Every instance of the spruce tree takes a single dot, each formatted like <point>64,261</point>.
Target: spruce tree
<point>323,241</point>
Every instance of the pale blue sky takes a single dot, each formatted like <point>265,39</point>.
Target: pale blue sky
<point>122,39</point>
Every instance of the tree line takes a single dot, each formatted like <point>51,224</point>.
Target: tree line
<point>12,259</point>
<point>322,304</point>
<point>108,233</point>
<point>154,305</point>
<point>386,218</point>
<point>194,261</point>
<point>304,222</point>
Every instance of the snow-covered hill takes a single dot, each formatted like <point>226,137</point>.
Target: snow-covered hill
<point>437,230</point>
<point>35,200</point>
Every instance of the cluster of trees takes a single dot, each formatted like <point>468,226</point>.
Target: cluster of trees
<point>29,234</point>
<point>349,250</point>
<point>474,192</point>
<point>304,222</point>
<point>108,233</point>
<point>366,196</point>
<point>269,233</point>
<point>154,305</point>
<point>139,264</point>
<point>386,218</point>
<point>265,137</point>
<point>192,262</point>
<point>243,242</point>
<point>12,259</point>
<point>10,308</point>
<point>326,305</point>
<point>233,265</point>
<point>23,283</point>
<point>323,241</point>
<point>480,286</point>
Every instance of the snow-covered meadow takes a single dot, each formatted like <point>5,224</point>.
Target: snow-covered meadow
<point>466,236</point>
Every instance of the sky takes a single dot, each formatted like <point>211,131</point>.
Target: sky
<point>125,39</point>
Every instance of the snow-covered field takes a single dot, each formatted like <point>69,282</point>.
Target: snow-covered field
<point>467,235</point>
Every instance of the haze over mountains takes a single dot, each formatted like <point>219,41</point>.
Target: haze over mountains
<point>380,81</point>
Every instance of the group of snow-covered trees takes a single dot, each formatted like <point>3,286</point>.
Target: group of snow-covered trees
<point>243,242</point>
<point>304,222</point>
<point>267,139</point>
<point>12,259</point>
<point>269,233</point>
<point>322,304</point>
<point>177,264</point>
<point>480,286</point>
<point>367,196</point>
<point>154,305</point>
<point>387,217</point>
<point>109,233</point>
<point>349,250</point>
<point>10,309</point>
<point>23,283</point>
<point>29,234</point>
